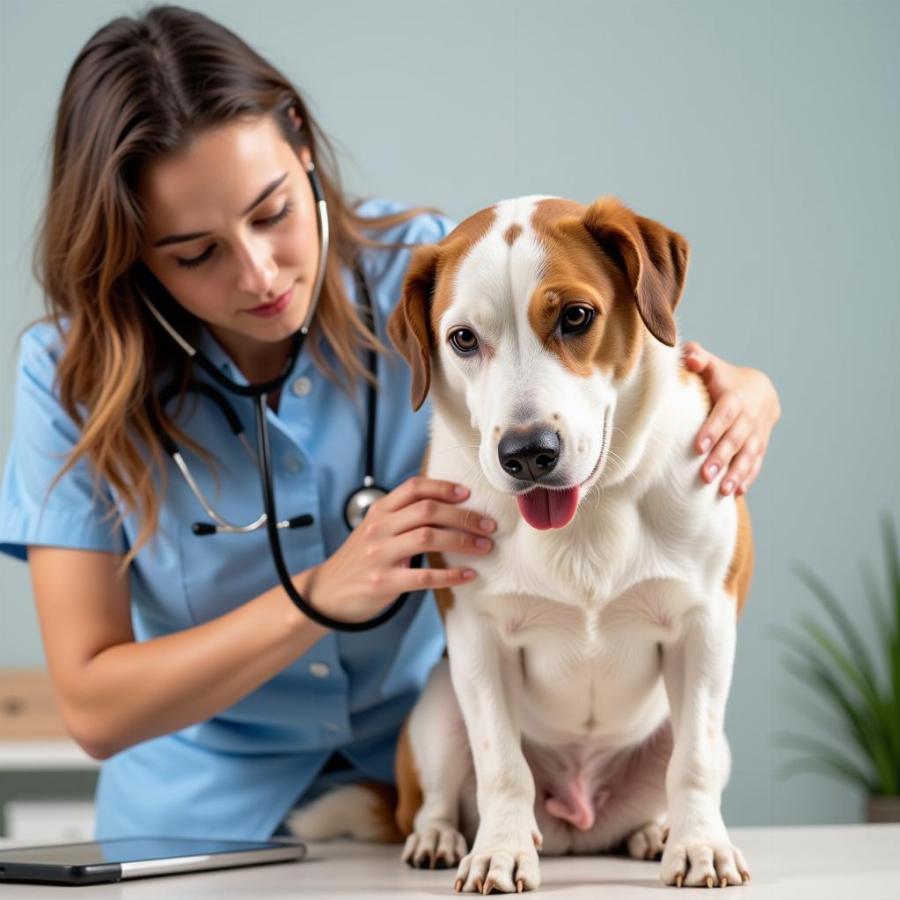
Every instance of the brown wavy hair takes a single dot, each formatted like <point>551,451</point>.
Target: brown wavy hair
<point>142,88</point>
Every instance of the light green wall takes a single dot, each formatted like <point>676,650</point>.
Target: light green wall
<point>768,133</point>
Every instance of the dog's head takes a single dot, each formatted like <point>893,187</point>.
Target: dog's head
<point>524,321</point>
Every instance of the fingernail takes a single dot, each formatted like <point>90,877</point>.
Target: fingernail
<point>705,444</point>
<point>711,470</point>
<point>728,486</point>
<point>482,543</point>
<point>487,524</point>
<point>468,573</point>
<point>460,490</point>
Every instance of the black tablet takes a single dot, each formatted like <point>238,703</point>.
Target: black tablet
<point>114,860</point>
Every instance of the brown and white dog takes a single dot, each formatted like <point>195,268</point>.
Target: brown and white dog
<point>582,701</point>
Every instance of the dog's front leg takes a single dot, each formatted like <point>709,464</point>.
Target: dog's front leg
<point>697,666</point>
<point>486,678</point>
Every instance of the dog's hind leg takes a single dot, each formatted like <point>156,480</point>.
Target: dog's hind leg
<point>645,779</point>
<point>630,804</point>
<point>433,763</point>
<point>648,841</point>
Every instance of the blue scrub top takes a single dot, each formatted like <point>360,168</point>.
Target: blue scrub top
<point>237,775</point>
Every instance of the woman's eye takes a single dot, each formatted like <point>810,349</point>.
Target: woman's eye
<point>576,319</point>
<point>464,341</point>
<point>283,213</point>
<point>196,260</point>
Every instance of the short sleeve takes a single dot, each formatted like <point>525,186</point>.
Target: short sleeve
<point>74,513</point>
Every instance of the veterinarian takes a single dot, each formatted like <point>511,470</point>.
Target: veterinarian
<point>182,241</point>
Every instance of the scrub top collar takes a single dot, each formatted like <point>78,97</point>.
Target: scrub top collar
<point>223,361</point>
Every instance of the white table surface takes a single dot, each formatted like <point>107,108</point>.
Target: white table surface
<point>44,756</point>
<point>847,862</point>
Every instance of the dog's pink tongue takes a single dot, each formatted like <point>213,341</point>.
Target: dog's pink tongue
<point>543,509</point>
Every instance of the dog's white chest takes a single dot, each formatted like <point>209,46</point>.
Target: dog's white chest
<point>599,556</point>
<point>586,609</point>
<point>585,565</point>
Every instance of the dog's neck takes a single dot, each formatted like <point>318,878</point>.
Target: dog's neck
<point>640,397</point>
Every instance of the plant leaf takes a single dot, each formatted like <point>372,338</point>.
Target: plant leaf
<point>800,701</point>
<point>892,561</point>
<point>810,672</point>
<point>835,662</point>
<point>823,756</point>
<point>824,766</point>
<point>892,557</point>
<point>869,734</point>
<point>842,622</point>
<point>868,692</point>
<point>876,603</point>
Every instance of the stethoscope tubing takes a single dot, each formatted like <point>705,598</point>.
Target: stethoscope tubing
<point>264,453</point>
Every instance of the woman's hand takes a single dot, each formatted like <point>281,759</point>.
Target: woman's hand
<point>745,410</point>
<point>371,568</point>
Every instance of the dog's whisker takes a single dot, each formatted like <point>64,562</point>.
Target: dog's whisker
<point>460,447</point>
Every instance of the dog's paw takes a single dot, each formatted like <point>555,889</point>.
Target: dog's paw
<point>506,870</point>
<point>648,842</point>
<point>437,846</point>
<point>694,863</point>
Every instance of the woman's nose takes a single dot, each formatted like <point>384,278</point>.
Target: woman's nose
<point>257,268</point>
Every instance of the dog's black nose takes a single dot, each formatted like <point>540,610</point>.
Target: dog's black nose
<point>529,453</point>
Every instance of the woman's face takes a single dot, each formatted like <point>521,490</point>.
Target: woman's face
<point>231,232</point>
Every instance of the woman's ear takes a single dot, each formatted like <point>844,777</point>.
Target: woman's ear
<point>301,139</point>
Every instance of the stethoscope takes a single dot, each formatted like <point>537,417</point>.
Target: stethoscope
<point>358,501</point>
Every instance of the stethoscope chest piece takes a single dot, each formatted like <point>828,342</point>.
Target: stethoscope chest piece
<point>360,500</point>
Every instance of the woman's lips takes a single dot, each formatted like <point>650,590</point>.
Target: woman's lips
<point>279,305</point>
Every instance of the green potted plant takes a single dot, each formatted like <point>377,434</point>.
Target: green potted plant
<point>862,687</point>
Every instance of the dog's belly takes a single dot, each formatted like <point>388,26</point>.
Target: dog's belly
<point>595,732</point>
<point>588,797</point>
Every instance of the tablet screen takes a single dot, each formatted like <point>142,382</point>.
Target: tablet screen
<point>121,850</point>
<point>120,858</point>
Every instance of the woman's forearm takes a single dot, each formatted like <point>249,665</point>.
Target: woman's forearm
<point>134,691</point>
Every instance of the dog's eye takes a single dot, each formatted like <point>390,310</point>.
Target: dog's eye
<point>464,341</point>
<point>576,319</point>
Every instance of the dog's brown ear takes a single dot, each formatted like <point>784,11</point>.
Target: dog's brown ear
<point>409,325</point>
<point>652,258</point>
